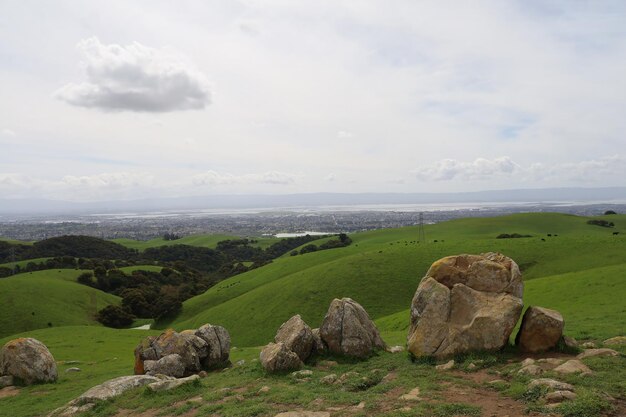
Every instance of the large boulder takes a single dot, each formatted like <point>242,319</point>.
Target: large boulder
<point>218,346</point>
<point>465,303</point>
<point>205,348</point>
<point>276,357</point>
<point>28,360</point>
<point>541,330</point>
<point>170,365</point>
<point>348,330</point>
<point>297,336</point>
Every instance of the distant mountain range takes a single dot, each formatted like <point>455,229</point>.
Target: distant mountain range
<point>546,195</point>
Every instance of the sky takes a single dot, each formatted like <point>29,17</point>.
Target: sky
<point>106,100</point>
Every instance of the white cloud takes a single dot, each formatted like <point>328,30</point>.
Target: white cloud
<point>135,78</point>
<point>480,168</point>
<point>343,134</point>
<point>270,177</point>
<point>330,177</point>
<point>589,171</point>
<point>8,132</point>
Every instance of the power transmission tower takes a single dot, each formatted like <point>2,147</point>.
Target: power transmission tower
<point>421,237</point>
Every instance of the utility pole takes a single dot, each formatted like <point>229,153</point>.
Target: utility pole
<point>421,238</point>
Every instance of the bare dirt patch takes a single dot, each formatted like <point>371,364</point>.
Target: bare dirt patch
<point>7,392</point>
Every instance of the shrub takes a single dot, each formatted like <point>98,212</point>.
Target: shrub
<point>115,316</point>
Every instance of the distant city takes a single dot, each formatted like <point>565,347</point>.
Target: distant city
<point>270,222</point>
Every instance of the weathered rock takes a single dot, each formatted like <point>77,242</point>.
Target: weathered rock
<point>560,396</point>
<point>302,374</point>
<point>218,341</point>
<point>615,341</point>
<point>74,369</point>
<point>465,303</point>
<point>551,361</point>
<point>530,370</point>
<point>275,357</point>
<point>570,342</point>
<point>297,336</point>
<point>590,353</point>
<point>588,345</point>
<point>318,344</point>
<point>28,360</point>
<point>113,388</point>
<point>6,381</point>
<point>348,330</point>
<point>200,345</point>
<point>413,395</point>
<point>170,365</point>
<point>445,366</point>
<point>552,384</point>
<point>167,343</point>
<point>541,330</point>
<point>329,379</point>
<point>527,361</point>
<point>264,389</point>
<point>573,366</point>
<point>169,384</point>
<point>395,349</point>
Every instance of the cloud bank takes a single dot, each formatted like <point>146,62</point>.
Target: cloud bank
<point>135,78</point>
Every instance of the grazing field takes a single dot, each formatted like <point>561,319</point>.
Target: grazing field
<point>49,298</point>
<point>23,263</point>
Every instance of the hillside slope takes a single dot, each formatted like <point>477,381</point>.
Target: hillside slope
<point>48,298</point>
<point>382,269</point>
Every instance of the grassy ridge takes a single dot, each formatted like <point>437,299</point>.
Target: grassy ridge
<point>23,263</point>
<point>34,299</point>
<point>381,270</point>
<point>202,240</point>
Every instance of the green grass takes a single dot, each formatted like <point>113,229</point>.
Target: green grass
<point>35,300</point>
<point>382,269</point>
<point>151,268</point>
<point>23,263</point>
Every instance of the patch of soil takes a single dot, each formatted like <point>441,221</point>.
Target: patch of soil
<point>7,392</point>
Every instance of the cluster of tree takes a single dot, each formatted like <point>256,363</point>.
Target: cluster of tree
<point>171,236</point>
<point>341,241</point>
<point>609,212</point>
<point>602,223</point>
<point>65,262</point>
<point>74,246</point>
<point>511,236</point>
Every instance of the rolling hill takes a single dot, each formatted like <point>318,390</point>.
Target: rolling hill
<point>49,298</point>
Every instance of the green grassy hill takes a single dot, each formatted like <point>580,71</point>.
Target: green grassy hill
<point>382,269</point>
<point>35,300</point>
<point>207,241</point>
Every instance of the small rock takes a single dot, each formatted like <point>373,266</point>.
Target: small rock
<point>527,361</point>
<point>446,366</point>
<point>541,330</point>
<point>359,406</point>
<point>6,381</point>
<point>170,384</point>
<point>588,345</point>
<point>329,379</point>
<point>615,341</point>
<point>573,366</point>
<point>413,395</point>
<point>395,349</point>
<point>302,374</point>
<point>570,342</point>
<point>203,374</point>
<point>264,389</point>
<point>240,362</point>
<point>497,382</point>
<point>551,361</point>
<point>530,370</point>
<point>275,357</point>
<point>72,370</point>
<point>560,396</point>
<point>344,377</point>
<point>551,383</point>
<point>471,366</point>
<point>590,353</point>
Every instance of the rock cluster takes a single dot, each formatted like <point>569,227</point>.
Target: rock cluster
<point>27,360</point>
<point>185,353</point>
<point>465,303</point>
<point>346,330</point>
